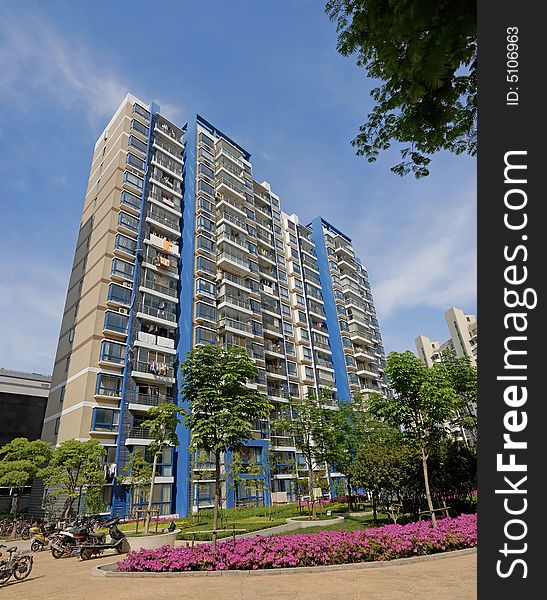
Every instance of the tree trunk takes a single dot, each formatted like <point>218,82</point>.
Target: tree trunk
<point>348,480</point>
<point>151,493</point>
<point>374,509</point>
<point>310,490</point>
<point>130,501</point>
<point>427,489</point>
<point>217,498</point>
<point>68,507</point>
<point>15,511</point>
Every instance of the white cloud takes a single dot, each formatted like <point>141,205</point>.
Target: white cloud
<point>432,263</point>
<point>39,65</point>
<point>30,314</point>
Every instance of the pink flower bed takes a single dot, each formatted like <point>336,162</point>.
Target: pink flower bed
<point>325,548</point>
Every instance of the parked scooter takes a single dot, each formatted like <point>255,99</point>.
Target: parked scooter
<point>117,542</point>
<point>66,542</point>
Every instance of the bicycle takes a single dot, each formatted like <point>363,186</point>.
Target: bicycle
<point>19,565</point>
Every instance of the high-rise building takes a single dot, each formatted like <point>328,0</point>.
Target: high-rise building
<point>180,246</point>
<point>462,341</point>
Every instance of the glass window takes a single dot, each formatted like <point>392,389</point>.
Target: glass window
<point>138,109</point>
<point>112,351</point>
<point>202,285</point>
<point>280,259</point>
<point>206,311</point>
<point>136,143</point>
<point>206,188</point>
<point>62,395</point>
<point>290,349</point>
<point>283,292</point>
<point>128,221</point>
<point>119,294</point>
<point>257,327</point>
<point>277,229</point>
<point>122,268</point>
<point>306,353</point>
<point>124,243</point>
<point>205,170</point>
<point>291,368</point>
<point>57,423</point>
<point>279,244</point>
<point>287,329</point>
<point>304,334</point>
<point>204,264</point>
<point>255,306</point>
<point>309,372</point>
<point>134,161</point>
<point>293,239</point>
<point>133,180</point>
<point>115,321</point>
<point>302,316</point>
<point>104,419</point>
<point>300,300</point>
<point>282,275</point>
<point>131,200</point>
<point>203,153</point>
<point>138,126</point>
<point>206,243</point>
<point>109,385</point>
<point>343,326</point>
<point>205,139</point>
<point>204,204</point>
<point>286,310</point>
<point>205,223</point>
<point>205,336</point>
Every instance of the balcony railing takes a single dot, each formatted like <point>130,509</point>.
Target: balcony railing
<point>234,301</point>
<point>232,219</point>
<point>173,166</point>
<point>157,312</point>
<point>149,399</point>
<point>168,220</point>
<point>172,203</point>
<point>140,433</point>
<point>236,187</point>
<point>277,369</point>
<point>159,369</point>
<point>227,322</point>
<point>158,287</point>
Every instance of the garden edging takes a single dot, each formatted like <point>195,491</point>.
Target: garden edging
<point>108,569</point>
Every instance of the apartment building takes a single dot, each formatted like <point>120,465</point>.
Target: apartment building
<point>462,340</point>
<point>179,246</point>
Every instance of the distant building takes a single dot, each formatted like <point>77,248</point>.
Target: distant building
<point>23,399</point>
<point>463,339</point>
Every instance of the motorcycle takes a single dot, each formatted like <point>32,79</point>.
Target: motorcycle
<point>117,542</point>
<point>66,542</point>
<point>41,536</point>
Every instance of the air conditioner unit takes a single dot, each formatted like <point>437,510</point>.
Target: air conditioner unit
<point>123,311</point>
<point>127,284</point>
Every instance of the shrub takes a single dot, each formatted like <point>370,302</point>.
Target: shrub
<point>325,548</point>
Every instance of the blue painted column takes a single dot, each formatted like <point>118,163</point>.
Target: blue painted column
<point>335,337</point>
<point>186,303</point>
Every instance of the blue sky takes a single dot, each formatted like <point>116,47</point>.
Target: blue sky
<point>267,74</point>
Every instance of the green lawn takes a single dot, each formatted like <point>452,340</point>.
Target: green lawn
<point>349,524</point>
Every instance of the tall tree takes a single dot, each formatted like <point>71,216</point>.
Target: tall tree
<point>138,473</point>
<point>162,422</point>
<point>306,423</point>
<point>20,461</point>
<point>425,55</point>
<point>75,466</point>
<point>423,402</point>
<point>222,408</point>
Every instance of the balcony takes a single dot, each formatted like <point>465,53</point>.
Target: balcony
<point>228,184</point>
<point>168,147</point>
<point>225,236</point>
<point>237,326</point>
<point>150,285</point>
<point>164,244</point>
<point>149,339</point>
<point>163,220</point>
<point>325,364</point>
<point>170,133</point>
<point>169,164</point>
<point>239,304</point>
<point>158,196</point>
<point>136,400</point>
<point>224,216</point>
<point>277,371</point>
<point>158,316</point>
<point>165,264</point>
<point>153,371</point>
<point>140,434</point>
<point>282,439</point>
<point>272,348</point>
<point>229,261</point>
<point>166,181</point>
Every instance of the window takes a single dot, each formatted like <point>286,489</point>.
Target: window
<point>280,259</point>
<point>257,327</point>
<point>123,268</point>
<point>205,170</point>
<point>296,269</point>
<point>138,109</point>
<point>62,395</point>
<point>282,275</point>
<point>302,316</point>
<point>104,419</point>
<point>308,371</point>
<point>138,126</point>
<point>120,294</point>
<point>67,364</point>
<point>202,285</point>
<point>343,326</point>
<point>205,139</point>
<point>306,353</point>
<point>135,161</point>
<point>126,244</point>
<point>294,254</point>
<point>205,223</point>
<point>115,321</point>
<point>292,239</point>
<point>204,204</point>
<point>255,306</point>
<point>205,336</point>
<point>287,329</point>
<point>204,264</point>
<point>130,200</point>
<point>133,180</point>
<point>206,311</point>
<point>57,423</point>
<point>285,310</point>
<point>205,243</point>
<point>291,368</point>
<point>279,244</point>
<point>304,335</point>
<point>277,229</point>
<point>112,352</point>
<point>290,349</point>
<point>71,335</point>
<point>203,153</point>
<point>283,292</point>
<point>206,188</point>
<point>252,248</point>
<point>300,300</point>
<point>136,143</point>
<point>109,385</point>
<point>128,221</point>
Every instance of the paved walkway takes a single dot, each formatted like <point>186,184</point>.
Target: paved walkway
<point>446,578</point>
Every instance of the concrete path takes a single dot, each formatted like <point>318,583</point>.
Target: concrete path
<point>447,577</point>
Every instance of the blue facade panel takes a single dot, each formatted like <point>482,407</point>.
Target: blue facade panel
<point>335,338</point>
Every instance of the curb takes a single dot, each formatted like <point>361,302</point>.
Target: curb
<point>108,569</point>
